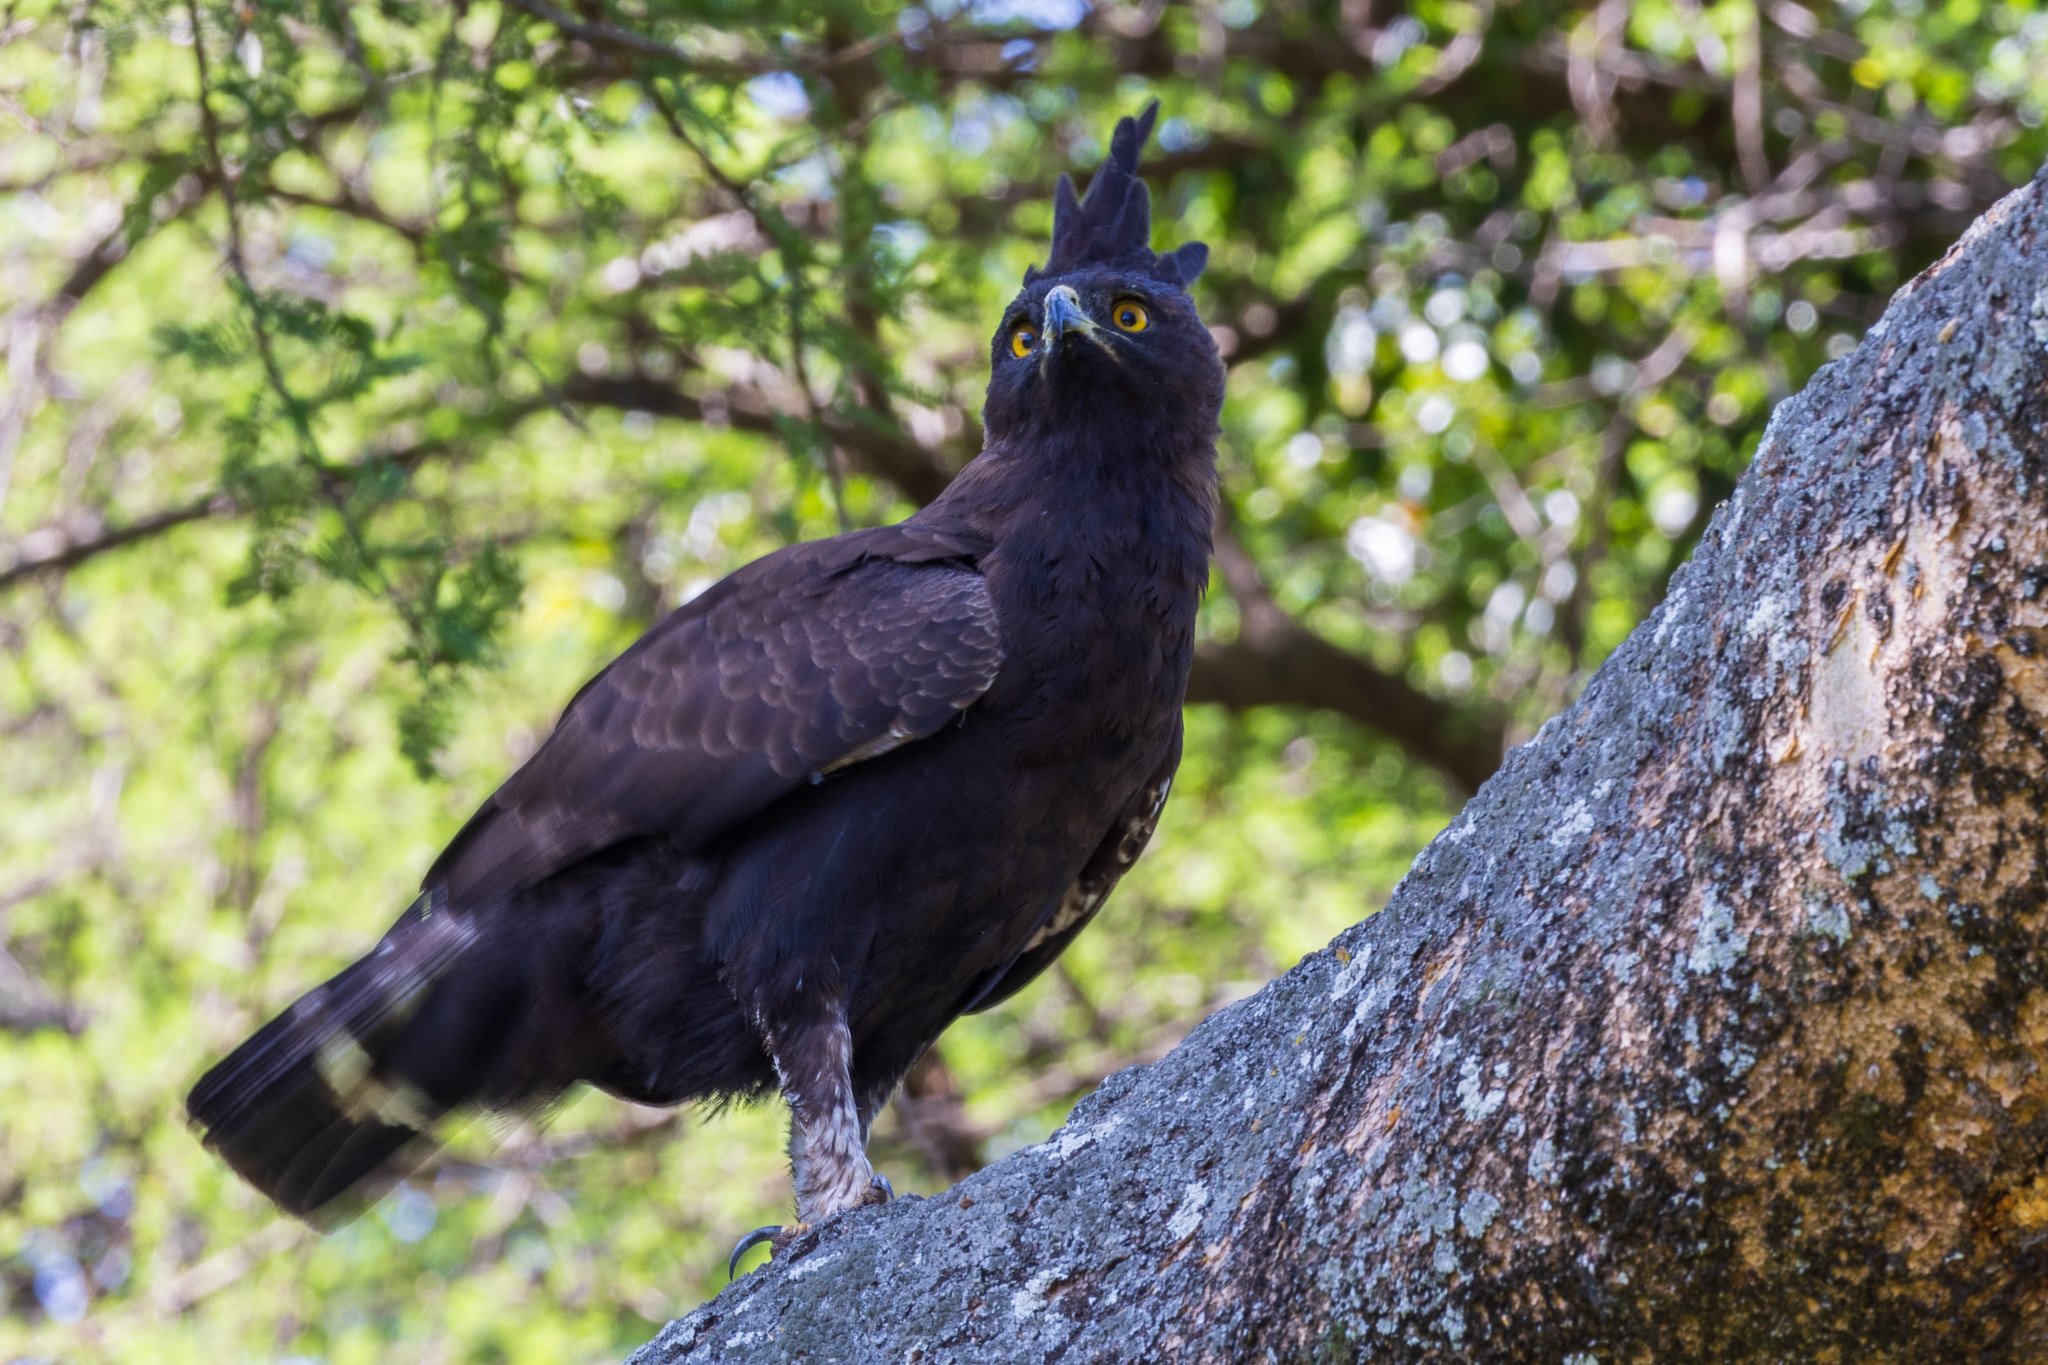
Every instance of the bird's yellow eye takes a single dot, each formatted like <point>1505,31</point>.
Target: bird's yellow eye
<point>1129,316</point>
<point>1024,340</point>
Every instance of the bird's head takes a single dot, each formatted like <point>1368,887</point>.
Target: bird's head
<point>1104,332</point>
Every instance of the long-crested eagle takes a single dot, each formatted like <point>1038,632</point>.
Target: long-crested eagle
<point>859,788</point>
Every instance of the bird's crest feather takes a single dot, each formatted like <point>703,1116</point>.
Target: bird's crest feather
<point>1112,224</point>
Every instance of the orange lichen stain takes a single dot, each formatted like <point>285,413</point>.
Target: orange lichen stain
<point>2032,1030</point>
<point>1957,1135</point>
<point>2027,1209</point>
<point>1948,331</point>
<point>2026,677</point>
<point>1393,1117</point>
<point>1912,995</point>
<point>1842,619</point>
<point>1343,954</point>
<point>2007,1083</point>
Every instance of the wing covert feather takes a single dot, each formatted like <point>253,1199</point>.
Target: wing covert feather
<point>794,667</point>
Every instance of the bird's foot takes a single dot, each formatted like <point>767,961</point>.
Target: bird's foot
<point>780,1237</point>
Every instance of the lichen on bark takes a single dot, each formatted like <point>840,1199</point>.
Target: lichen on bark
<point>1712,1029</point>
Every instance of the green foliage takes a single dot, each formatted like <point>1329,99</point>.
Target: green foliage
<point>367,392</point>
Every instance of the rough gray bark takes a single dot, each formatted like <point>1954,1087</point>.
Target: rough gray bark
<point>1713,1029</point>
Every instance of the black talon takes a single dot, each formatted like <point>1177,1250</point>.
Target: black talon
<point>748,1243</point>
<point>780,1235</point>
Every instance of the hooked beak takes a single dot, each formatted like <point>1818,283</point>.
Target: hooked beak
<point>1063,314</point>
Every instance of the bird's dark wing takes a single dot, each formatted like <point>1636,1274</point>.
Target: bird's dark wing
<point>1104,869</point>
<point>806,661</point>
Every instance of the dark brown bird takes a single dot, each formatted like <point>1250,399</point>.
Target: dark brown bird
<point>863,786</point>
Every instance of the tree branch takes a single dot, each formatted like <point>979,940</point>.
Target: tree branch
<point>57,547</point>
<point>1296,667</point>
<point>920,471</point>
<point>61,546</point>
<point>1277,661</point>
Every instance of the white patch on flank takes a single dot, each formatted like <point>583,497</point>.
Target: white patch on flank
<point>1075,906</point>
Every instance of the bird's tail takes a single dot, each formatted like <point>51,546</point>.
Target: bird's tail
<point>336,1098</point>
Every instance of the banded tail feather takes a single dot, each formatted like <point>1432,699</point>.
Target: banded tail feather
<point>328,1104</point>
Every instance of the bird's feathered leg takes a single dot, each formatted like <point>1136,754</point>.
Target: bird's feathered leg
<point>828,1126</point>
<point>827,1137</point>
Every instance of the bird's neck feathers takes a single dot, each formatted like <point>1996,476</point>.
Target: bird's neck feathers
<point>1073,484</point>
